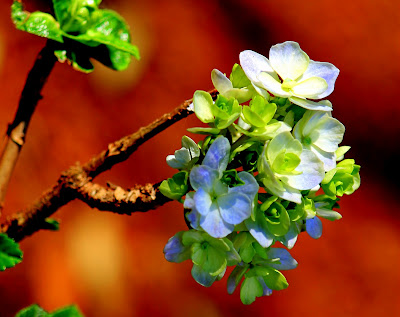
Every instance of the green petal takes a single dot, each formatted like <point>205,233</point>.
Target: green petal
<point>202,102</point>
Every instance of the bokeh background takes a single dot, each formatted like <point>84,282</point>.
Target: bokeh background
<point>112,265</point>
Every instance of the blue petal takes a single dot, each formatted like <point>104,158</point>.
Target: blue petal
<point>234,207</point>
<point>202,277</point>
<point>194,219</point>
<point>217,156</point>
<point>175,251</point>
<point>314,227</point>
<point>202,201</point>
<point>250,187</point>
<point>289,239</point>
<point>266,290</point>
<point>214,225</point>
<point>286,260</point>
<point>260,232</point>
<point>204,177</point>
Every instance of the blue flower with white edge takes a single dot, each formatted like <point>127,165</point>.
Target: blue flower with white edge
<point>216,207</point>
<point>285,168</point>
<point>289,73</point>
<point>321,134</point>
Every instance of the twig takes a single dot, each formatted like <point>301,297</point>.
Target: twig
<point>16,132</point>
<point>75,183</point>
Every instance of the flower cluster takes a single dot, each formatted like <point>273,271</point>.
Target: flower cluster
<point>269,168</point>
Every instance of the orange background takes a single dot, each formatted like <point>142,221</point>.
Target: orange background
<point>113,265</point>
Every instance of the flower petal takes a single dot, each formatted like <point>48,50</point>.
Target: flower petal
<point>272,85</point>
<point>323,105</point>
<point>217,156</point>
<point>289,239</point>
<point>202,277</point>
<point>258,229</point>
<point>253,64</point>
<point>220,81</point>
<point>250,187</point>
<point>203,176</point>
<point>202,201</point>
<point>288,60</point>
<point>324,70</point>
<point>311,87</point>
<point>328,134</point>
<point>329,159</point>
<point>312,172</point>
<point>234,207</point>
<point>175,251</point>
<point>214,225</point>
<point>286,260</point>
<point>314,227</point>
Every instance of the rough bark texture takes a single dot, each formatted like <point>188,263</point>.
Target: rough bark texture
<point>76,182</point>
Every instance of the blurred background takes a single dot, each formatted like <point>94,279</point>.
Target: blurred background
<point>112,265</point>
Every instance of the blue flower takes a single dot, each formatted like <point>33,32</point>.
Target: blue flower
<point>216,207</point>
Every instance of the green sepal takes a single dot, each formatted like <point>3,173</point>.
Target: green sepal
<point>175,187</point>
<point>206,131</point>
<point>231,178</point>
<point>274,279</point>
<point>225,111</point>
<point>38,23</point>
<point>306,208</point>
<point>235,277</point>
<point>341,151</point>
<point>243,243</point>
<point>10,253</point>
<point>238,77</point>
<point>278,220</point>
<point>202,102</point>
<point>259,112</point>
<point>250,289</point>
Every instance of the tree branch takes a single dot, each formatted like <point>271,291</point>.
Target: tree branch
<point>75,183</point>
<point>30,96</point>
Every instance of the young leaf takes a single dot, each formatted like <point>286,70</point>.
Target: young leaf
<point>32,311</point>
<point>38,23</point>
<point>10,254</point>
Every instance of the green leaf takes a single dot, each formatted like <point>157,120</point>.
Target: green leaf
<point>38,23</point>
<point>32,311</point>
<point>51,224</point>
<point>69,311</point>
<point>10,253</point>
<point>250,289</point>
<point>206,131</point>
<point>36,311</point>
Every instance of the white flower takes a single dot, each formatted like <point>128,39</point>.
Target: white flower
<point>320,133</point>
<point>289,73</point>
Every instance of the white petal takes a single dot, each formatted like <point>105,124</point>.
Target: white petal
<point>220,81</point>
<point>253,64</point>
<point>329,159</point>
<point>312,172</point>
<point>328,134</point>
<point>288,60</point>
<point>310,88</point>
<point>326,71</point>
<point>272,85</point>
<point>323,105</point>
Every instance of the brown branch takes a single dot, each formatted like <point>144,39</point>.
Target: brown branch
<point>121,201</point>
<point>75,183</point>
<point>30,96</point>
